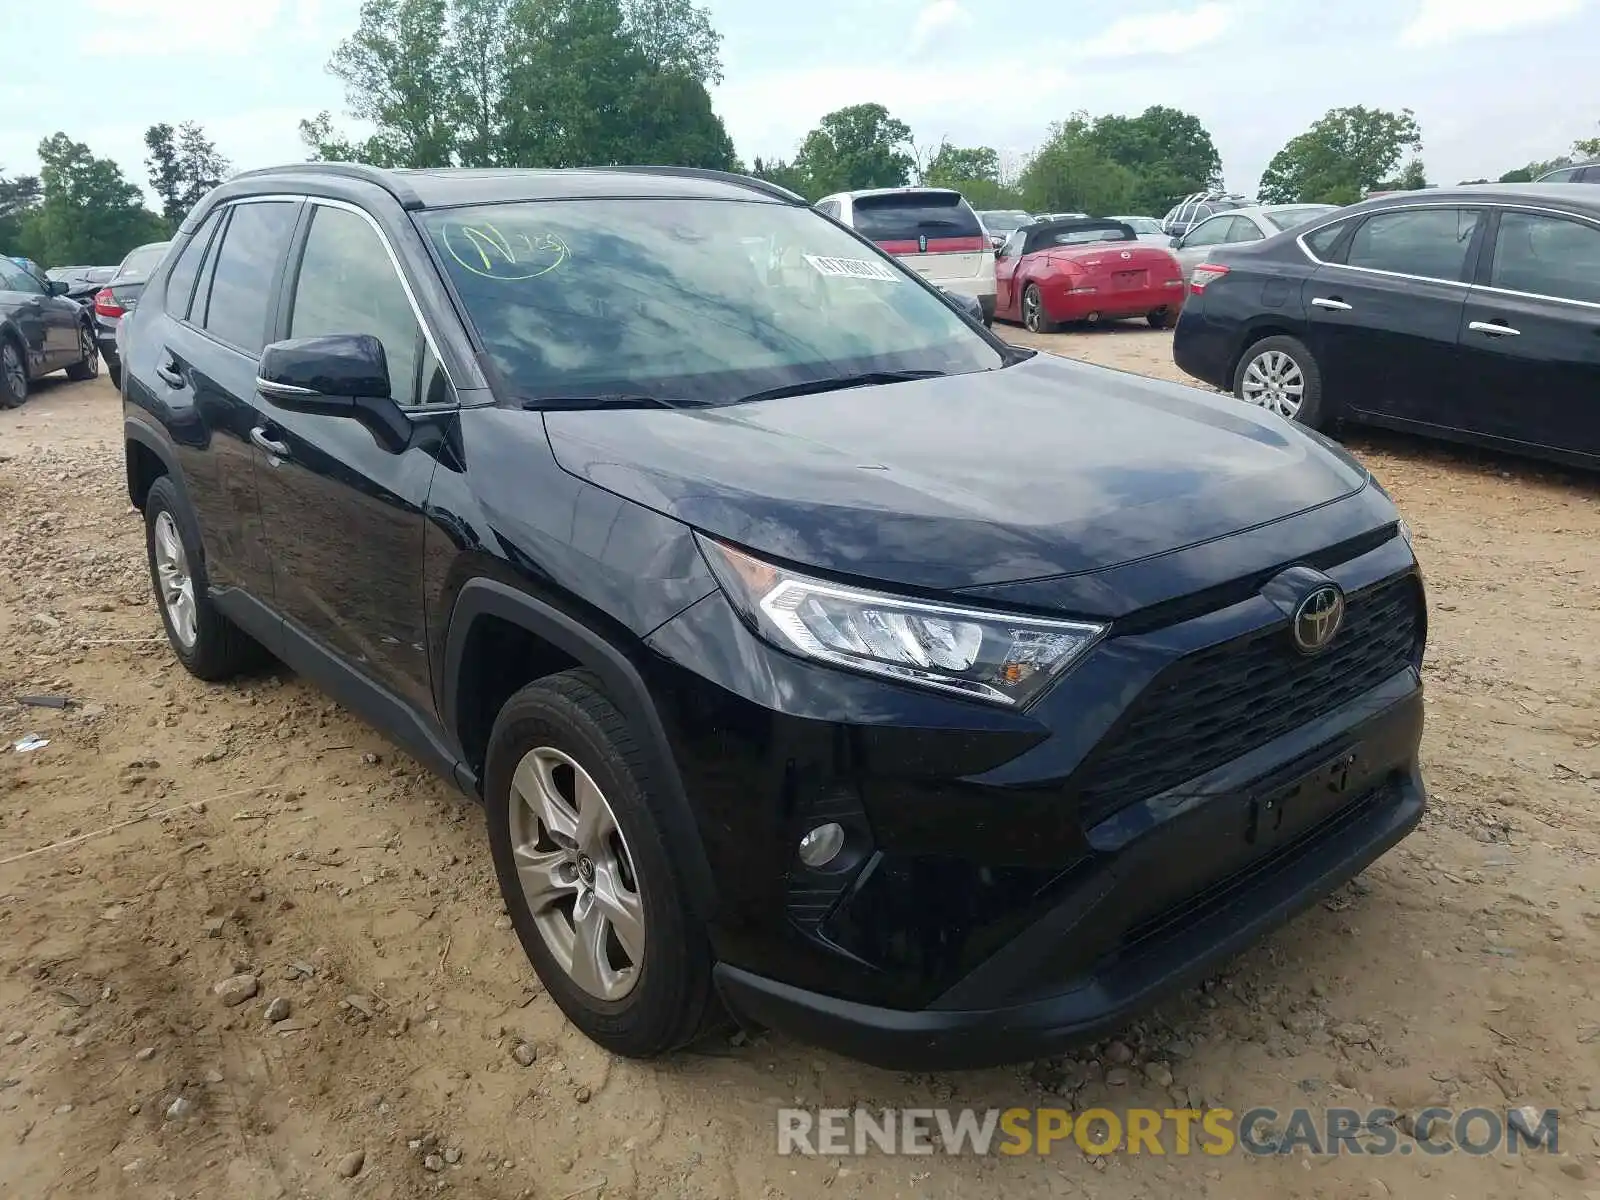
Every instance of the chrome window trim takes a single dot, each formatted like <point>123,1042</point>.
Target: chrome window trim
<point>1501,205</point>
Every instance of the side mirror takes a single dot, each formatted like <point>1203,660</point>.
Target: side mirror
<point>324,374</point>
<point>57,287</point>
<point>340,375</point>
<point>1176,243</point>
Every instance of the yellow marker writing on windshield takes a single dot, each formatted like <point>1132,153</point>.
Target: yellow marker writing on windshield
<point>486,250</point>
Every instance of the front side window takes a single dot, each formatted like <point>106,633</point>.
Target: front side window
<point>20,279</point>
<point>253,244</point>
<point>1547,256</point>
<point>700,300</point>
<point>1428,242</point>
<point>347,284</point>
<point>1210,233</point>
<point>1565,175</point>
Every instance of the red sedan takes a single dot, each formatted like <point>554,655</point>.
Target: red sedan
<point>1085,270</point>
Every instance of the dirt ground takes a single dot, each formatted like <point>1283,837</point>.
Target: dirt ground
<point>257,829</point>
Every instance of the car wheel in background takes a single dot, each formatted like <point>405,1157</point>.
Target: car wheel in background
<point>585,872</point>
<point>114,373</point>
<point>1034,318</point>
<point>1161,318</point>
<point>88,364</point>
<point>209,645</point>
<point>1279,374</point>
<point>13,374</point>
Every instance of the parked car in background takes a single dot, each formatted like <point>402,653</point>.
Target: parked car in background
<point>1470,313</point>
<point>1191,210</point>
<point>1072,216</point>
<point>932,230</point>
<point>1084,270</point>
<point>121,293</point>
<point>1146,229</point>
<point>28,265</point>
<point>1000,223</point>
<point>813,652</point>
<point>1252,224</point>
<point>82,282</point>
<point>1584,172</point>
<point>40,331</point>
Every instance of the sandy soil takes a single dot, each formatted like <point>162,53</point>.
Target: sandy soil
<point>262,831</point>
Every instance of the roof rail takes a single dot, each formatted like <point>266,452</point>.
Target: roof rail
<point>749,182</point>
<point>387,180</point>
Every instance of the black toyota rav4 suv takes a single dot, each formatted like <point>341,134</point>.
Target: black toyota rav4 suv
<point>816,656</point>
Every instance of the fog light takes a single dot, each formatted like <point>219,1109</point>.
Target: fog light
<point>822,845</point>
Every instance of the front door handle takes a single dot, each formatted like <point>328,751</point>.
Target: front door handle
<point>258,435</point>
<point>1335,305</point>
<point>1493,329</point>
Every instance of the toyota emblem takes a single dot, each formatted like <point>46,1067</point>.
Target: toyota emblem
<point>1317,619</point>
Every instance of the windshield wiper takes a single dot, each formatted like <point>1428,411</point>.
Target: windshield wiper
<point>837,382</point>
<point>605,400</point>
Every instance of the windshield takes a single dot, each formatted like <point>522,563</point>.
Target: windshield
<point>1292,218</point>
<point>1004,220</point>
<point>1140,224</point>
<point>700,300</point>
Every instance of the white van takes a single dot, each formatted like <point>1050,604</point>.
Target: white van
<point>933,229</point>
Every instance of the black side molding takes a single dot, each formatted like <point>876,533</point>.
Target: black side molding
<point>623,684</point>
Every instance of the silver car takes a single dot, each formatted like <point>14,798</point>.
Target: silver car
<point>1146,229</point>
<point>1241,225</point>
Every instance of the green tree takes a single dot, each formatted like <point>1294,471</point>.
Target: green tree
<point>18,199</point>
<point>857,147</point>
<point>1069,173</point>
<point>1520,175</point>
<point>1341,157</point>
<point>675,37</point>
<point>88,212</point>
<point>1169,152</point>
<point>1412,178</point>
<point>1587,147</point>
<point>184,165</point>
<point>783,174</point>
<point>953,166</point>
<point>398,77</point>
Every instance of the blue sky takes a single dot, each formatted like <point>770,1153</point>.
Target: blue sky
<point>1494,83</point>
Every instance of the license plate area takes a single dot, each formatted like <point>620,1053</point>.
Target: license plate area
<point>1129,281</point>
<point>1281,811</point>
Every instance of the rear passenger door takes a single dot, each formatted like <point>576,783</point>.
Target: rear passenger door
<point>343,510</point>
<point>218,304</point>
<point>1383,320</point>
<point>1530,334</point>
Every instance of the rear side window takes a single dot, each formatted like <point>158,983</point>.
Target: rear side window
<point>180,280</point>
<point>1210,233</point>
<point>347,284</point>
<point>1428,242</point>
<point>1242,229</point>
<point>907,216</point>
<point>241,281</point>
<point>1547,256</point>
<point>1565,175</point>
<point>829,208</point>
<point>1322,241</point>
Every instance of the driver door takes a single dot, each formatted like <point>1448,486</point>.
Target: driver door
<point>1006,261</point>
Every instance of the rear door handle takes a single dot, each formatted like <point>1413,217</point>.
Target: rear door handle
<point>1335,305</point>
<point>258,435</point>
<point>168,371</point>
<point>1493,329</point>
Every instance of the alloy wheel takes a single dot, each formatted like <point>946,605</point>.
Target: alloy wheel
<point>11,367</point>
<point>1275,382</point>
<point>177,584</point>
<point>576,873</point>
<point>88,352</point>
<point>1030,310</point>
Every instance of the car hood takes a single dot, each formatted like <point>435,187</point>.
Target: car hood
<point>1042,469</point>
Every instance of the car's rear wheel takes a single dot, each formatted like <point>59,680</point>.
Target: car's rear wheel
<point>114,372</point>
<point>1279,374</point>
<point>1034,316</point>
<point>585,873</point>
<point>13,374</point>
<point>88,364</point>
<point>209,645</point>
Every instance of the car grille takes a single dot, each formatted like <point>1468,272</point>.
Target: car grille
<point>1215,705</point>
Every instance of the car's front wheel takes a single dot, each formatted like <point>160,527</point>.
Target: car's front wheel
<point>1280,374</point>
<point>88,364</point>
<point>591,889</point>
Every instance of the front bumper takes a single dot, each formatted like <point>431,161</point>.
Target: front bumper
<point>1017,881</point>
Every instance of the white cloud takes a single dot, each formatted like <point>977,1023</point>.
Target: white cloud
<point>164,28</point>
<point>1174,32</point>
<point>1439,21</point>
<point>935,19</point>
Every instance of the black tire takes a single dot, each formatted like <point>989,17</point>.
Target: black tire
<point>1313,413</point>
<point>114,373</point>
<point>671,1002</point>
<point>13,374</point>
<point>1161,318</point>
<point>1039,321</point>
<point>221,649</point>
<point>88,365</point>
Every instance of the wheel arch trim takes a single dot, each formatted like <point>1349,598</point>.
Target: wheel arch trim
<point>624,686</point>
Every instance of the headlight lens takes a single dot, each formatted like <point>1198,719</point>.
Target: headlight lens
<point>994,656</point>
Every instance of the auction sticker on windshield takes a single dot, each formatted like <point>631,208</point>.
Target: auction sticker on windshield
<point>852,268</point>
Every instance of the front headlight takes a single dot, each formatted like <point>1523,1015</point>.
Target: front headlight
<point>999,657</point>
